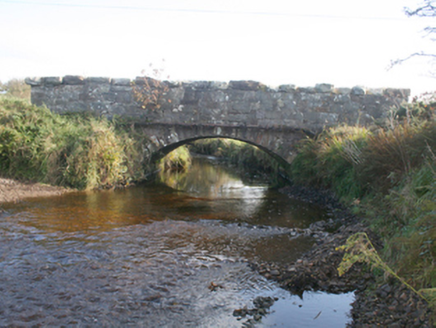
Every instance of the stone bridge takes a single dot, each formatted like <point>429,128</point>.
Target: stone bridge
<point>273,119</point>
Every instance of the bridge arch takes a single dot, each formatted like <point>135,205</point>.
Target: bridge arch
<point>157,155</point>
<point>278,143</point>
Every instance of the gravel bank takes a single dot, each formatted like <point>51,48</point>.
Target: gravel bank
<point>13,191</point>
<point>388,305</point>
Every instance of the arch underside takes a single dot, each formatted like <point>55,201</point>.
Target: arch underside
<point>279,143</point>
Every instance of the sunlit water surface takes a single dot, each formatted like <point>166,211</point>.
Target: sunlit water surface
<point>145,256</point>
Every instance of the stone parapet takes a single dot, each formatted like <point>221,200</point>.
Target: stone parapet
<point>235,103</point>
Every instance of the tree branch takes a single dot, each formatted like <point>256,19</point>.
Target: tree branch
<point>427,10</point>
<point>416,54</point>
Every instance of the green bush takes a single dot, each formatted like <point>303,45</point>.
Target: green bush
<point>331,160</point>
<point>79,150</point>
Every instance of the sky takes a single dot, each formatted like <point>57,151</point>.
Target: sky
<point>341,42</point>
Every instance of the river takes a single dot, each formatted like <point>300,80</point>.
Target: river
<point>150,255</point>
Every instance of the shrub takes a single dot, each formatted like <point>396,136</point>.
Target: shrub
<point>76,150</point>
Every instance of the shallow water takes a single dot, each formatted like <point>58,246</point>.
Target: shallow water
<point>146,256</point>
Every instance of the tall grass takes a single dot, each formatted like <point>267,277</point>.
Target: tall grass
<point>79,150</point>
<point>390,170</point>
<point>331,160</point>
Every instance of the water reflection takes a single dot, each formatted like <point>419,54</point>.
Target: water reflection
<point>206,178</point>
<point>213,189</point>
<point>208,181</point>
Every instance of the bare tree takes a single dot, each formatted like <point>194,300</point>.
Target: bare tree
<point>427,10</point>
<point>149,89</point>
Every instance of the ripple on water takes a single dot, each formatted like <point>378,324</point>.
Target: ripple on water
<point>148,256</point>
<point>149,275</point>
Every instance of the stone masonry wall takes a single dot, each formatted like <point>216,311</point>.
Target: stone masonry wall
<point>237,103</point>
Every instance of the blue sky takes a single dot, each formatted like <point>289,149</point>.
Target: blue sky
<point>344,43</point>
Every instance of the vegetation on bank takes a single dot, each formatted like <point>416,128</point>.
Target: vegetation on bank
<point>177,160</point>
<point>75,150</point>
<point>387,172</point>
<point>16,88</point>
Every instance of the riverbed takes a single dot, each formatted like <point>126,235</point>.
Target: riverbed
<point>173,253</point>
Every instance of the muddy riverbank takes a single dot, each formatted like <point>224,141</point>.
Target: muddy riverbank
<point>387,304</point>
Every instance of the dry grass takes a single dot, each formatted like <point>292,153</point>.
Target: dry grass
<point>390,169</point>
<point>79,151</point>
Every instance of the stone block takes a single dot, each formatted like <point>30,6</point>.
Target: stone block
<point>328,118</point>
<point>341,98</point>
<point>98,106</point>
<point>324,88</point>
<point>197,85</point>
<point>306,90</point>
<point>75,107</point>
<point>108,96</point>
<point>311,117</point>
<point>212,99</point>
<point>242,107</point>
<point>124,97</point>
<point>33,81</point>
<point>190,97</point>
<point>287,88</point>
<point>121,82</point>
<point>377,91</point>
<point>96,90</point>
<point>120,88</point>
<point>175,95</point>
<point>296,124</point>
<point>245,85</point>
<point>264,100</point>
<point>217,85</point>
<point>52,80</point>
<point>98,80</point>
<point>342,91</point>
<point>242,119</point>
<point>358,91</point>
<point>173,84</point>
<point>337,108</point>
<point>73,79</point>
